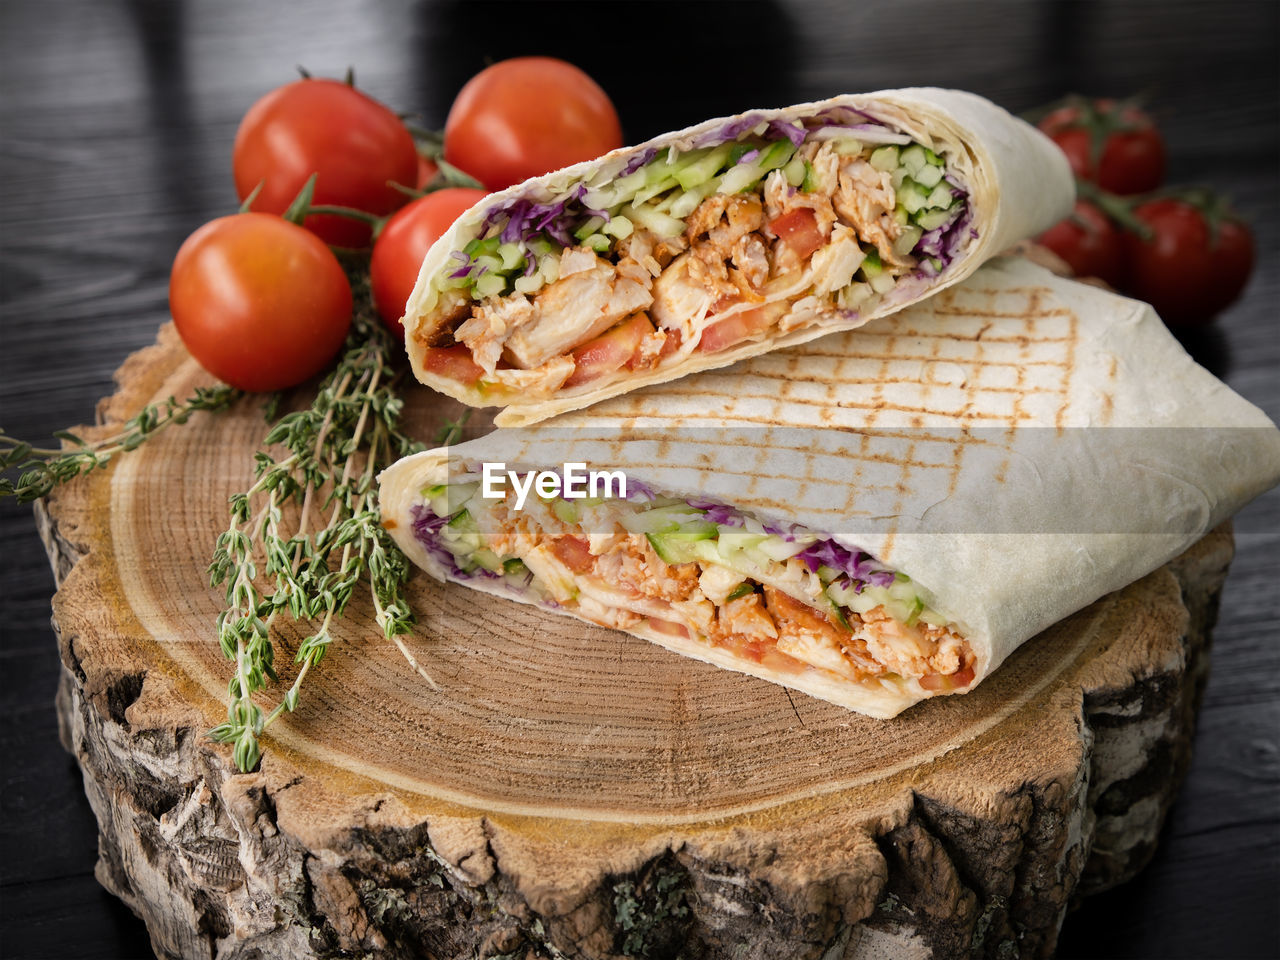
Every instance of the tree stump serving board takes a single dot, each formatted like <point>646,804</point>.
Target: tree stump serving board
<point>569,790</point>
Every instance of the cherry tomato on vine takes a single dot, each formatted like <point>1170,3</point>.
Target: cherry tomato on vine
<point>354,143</point>
<point>1113,144</point>
<point>260,302</point>
<point>404,242</point>
<point>528,116</point>
<point>1188,271</point>
<point>1090,243</point>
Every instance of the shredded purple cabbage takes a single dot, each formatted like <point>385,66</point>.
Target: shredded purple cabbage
<point>724,516</point>
<point>778,129</point>
<point>749,156</point>
<point>793,130</point>
<point>730,131</point>
<point>465,269</point>
<point>944,243</point>
<point>838,116</point>
<point>426,530</point>
<point>557,219</point>
<point>858,567</point>
<point>636,490</point>
<point>638,161</point>
<point>717,513</point>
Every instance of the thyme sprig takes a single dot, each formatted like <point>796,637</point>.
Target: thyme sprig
<point>329,457</point>
<point>43,468</point>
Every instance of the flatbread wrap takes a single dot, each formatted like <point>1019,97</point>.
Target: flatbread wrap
<point>874,518</point>
<point>723,241</point>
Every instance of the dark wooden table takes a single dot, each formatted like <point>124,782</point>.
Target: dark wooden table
<point>116,124</point>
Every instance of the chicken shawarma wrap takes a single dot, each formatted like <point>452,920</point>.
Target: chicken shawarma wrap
<point>723,241</point>
<point>937,488</point>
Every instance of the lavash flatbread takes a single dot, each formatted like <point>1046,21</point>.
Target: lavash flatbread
<point>1019,446</point>
<point>1018,183</point>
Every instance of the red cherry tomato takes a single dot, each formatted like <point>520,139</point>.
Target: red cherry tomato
<point>1184,271</point>
<point>404,242</point>
<point>352,142</point>
<point>1090,243</point>
<point>525,117</point>
<point>1129,149</point>
<point>260,303</point>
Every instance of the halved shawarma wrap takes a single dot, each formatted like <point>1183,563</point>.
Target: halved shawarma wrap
<point>723,241</point>
<point>875,518</point>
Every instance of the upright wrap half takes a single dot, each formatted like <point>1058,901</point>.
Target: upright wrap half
<point>723,241</point>
<point>873,518</point>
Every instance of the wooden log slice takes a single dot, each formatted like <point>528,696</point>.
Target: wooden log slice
<point>569,790</point>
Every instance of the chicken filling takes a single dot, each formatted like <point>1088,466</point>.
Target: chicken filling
<point>787,599</point>
<point>695,251</point>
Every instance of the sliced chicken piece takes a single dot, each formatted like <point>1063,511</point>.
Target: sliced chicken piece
<point>805,312</point>
<point>818,651</point>
<point>574,309</point>
<point>667,250</point>
<point>807,635</point>
<point>718,582</point>
<point>453,308</point>
<point>710,272</point>
<point>490,325</point>
<point>747,617</point>
<point>750,258</point>
<point>605,612</point>
<point>558,579</point>
<point>546,379</point>
<point>698,612</point>
<point>634,270</point>
<point>651,349</point>
<point>835,264</point>
<point>722,218</point>
<point>865,200</point>
<point>639,247</point>
<point>781,198</point>
<point>678,301</point>
<point>824,166</point>
<point>577,260</point>
<point>911,651</point>
<point>645,572</point>
<point>715,232</point>
<point>796,616</point>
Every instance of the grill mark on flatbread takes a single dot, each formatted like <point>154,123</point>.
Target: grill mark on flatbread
<point>877,391</point>
<point>871,380</point>
<point>1020,341</point>
<point>996,314</point>
<point>1061,416</point>
<point>639,434</point>
<point>873,411</point>
<point>958,451</point>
